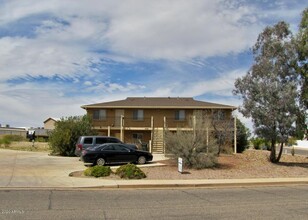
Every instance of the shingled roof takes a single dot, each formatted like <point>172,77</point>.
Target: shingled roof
<point>159,103</point>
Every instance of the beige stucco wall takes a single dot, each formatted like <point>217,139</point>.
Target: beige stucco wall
<point>158,118</point>
<point>50,124</point>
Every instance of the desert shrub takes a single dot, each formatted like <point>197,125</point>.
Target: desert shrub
<point>6,141</point>
<point>16,138</point>
<point>130,171</point>
<point>191,148</point>
<point>98,171</point>
<point>202,161</point>
<point>88,171</point>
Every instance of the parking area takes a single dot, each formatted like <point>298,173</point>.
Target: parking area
<point>38,169</point>
<point>35,169</point>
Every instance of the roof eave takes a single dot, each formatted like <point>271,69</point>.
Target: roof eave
<point>159,107</point>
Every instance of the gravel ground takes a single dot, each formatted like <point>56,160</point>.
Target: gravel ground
<point>250,164</point>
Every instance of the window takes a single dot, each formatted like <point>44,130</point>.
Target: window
<point>138,115</point>
<point>113,140</point>
<point>88,141</point>
<point>219,115</point>
<point>120,148</point>
<point>100,140</point>
<point>99,114</point>
<point>108,148</point>
<point>180,115</point>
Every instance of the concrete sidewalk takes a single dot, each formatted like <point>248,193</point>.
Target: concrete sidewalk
<point>19,169</point>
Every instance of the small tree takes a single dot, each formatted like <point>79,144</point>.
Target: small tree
<point>223,130</point>
<point>63,138</point>
<point>192,145</point>
<point>242,135</point>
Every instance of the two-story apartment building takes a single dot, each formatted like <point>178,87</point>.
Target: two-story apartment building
<point>144,119</point>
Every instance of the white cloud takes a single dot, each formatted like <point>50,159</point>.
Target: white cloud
<point>176,30</point>
<point>21,57</point>
<point>30,105</point>
<point>73,40</point>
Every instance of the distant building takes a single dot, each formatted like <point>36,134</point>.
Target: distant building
<point>49,124</point>
<point>12,131</point>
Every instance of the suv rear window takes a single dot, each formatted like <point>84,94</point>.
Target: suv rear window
<point>101,140</point>
<point>88,141</point>
<point>113,140</point>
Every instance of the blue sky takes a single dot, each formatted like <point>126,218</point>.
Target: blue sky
<point>57,55</point>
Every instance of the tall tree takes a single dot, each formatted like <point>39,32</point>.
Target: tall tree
<point>269,89</point>
<point>301,42</point>
<point>302,51</point>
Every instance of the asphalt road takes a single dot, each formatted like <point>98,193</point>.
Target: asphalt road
<point>289,202</point>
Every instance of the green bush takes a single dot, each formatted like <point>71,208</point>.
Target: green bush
<point>6,140</point>
<point>88,172</point>
<point>16,138</point>
<point>130,171</point>
<point>63,138</point>
<point>98,171</point>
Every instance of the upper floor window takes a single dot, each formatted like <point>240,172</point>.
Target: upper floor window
<point>138,115</point>
<point>219,115</point>
<point>180,115</point>
<point>99,114</point>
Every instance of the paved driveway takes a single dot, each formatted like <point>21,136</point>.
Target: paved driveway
<point>37,169</point>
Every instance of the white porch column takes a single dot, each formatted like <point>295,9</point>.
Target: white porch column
<point>108,131</point>
<point>207,140</point>
<point>122,128</point>
<point>235,141</point>
<point>164,129</point>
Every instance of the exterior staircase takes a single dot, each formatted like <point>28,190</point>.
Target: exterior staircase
<point>158,141</point>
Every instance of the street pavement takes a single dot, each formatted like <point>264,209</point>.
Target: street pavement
<point>20,169</point>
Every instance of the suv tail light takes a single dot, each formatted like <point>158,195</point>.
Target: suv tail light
<point>83,152</point>
<point>79,146</point>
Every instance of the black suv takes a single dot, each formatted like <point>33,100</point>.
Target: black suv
<point>92,141</point>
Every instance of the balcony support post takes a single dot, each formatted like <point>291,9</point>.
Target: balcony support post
<point>152,133</point>
<point>122,128</point>
<point>108,131</point>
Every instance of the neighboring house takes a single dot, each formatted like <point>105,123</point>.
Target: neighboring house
<point>144,119</point>
<point>49,123</point>
<point>12,131</point>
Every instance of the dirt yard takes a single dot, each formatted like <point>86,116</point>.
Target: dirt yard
<point>250,164</point>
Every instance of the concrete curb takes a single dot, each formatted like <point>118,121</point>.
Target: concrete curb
<point>165,184</point>
<point>215,183</point>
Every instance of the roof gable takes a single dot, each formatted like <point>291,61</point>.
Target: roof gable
<point>159,102</point>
